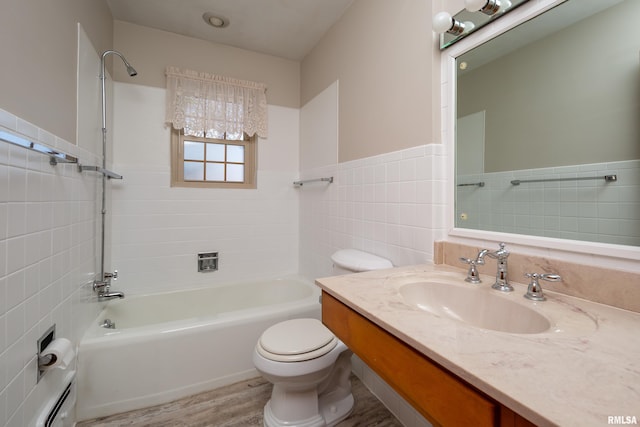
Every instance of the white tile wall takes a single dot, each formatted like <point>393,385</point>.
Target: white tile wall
<point>390,205</point>
<point>159,230</point>
<point>592,210</point>
<point>47,256</point>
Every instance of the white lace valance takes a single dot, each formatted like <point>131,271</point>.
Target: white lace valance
<point>211,106</point>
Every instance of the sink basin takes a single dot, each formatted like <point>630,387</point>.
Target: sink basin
<point>480,307</point>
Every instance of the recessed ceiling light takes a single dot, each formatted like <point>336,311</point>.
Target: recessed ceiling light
<point>214,20</point>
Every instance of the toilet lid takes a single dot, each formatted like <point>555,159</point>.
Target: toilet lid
<point>355,260</point>
<point>296,340</point>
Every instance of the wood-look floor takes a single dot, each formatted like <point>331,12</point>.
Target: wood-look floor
<point>239,405</point>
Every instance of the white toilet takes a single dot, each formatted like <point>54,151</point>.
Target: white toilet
<point>308,366</point>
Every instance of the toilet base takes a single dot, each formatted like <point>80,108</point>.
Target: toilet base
<point>335,411</point>
<point>332,411</point>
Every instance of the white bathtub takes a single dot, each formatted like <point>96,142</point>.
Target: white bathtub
<point>171,345</point>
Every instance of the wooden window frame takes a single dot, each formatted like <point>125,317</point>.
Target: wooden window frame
<point>177,162</point>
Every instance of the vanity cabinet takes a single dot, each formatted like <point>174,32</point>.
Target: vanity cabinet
<point>440,396</point>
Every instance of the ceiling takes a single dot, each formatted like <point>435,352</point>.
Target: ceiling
<point>283,28</point>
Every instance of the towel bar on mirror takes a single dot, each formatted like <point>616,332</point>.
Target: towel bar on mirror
<point>607,178</point>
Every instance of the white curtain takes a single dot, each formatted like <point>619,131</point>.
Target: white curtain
<point>207,105</point>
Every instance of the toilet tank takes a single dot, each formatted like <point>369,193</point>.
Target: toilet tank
<point>347,261</point>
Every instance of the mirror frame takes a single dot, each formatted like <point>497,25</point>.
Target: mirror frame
<point>482,238</point>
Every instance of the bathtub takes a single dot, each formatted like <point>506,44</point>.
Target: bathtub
<point>171,345</point>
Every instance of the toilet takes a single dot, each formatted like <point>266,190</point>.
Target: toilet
<point>308,366</point>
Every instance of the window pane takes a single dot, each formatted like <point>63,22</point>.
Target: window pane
<point>215,171</point>
<point>215,152</point>
<point>235,173</point>
<point>193,150</point>
<point>193,171</point>
<point>235,153</point>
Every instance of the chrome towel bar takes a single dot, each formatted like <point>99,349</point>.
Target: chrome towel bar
<point>105,172</point>
<point>301,183</point>
<point>607,178</point>
<point>55,157</point>
<point>473,184</point>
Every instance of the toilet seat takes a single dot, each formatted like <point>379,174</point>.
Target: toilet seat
<point>296,340</point>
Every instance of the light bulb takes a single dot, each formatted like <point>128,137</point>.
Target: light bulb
<point>504,5</point>
<point>474,5</point>
<point>488,7</point>
<point>442,22</point>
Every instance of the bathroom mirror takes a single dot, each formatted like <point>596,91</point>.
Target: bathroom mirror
<point>545,112</point>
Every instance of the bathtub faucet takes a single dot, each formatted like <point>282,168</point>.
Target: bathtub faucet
<point>102,287</point>
<point>102,296</point>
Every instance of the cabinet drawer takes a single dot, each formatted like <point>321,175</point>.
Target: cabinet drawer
<point>437,394</point>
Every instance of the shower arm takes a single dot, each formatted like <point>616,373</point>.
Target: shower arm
<point>103,77</point>
<point>103,210</point>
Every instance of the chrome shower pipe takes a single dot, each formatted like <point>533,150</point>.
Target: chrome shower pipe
<point>103,210</point>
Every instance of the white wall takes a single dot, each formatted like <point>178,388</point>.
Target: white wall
<point>319,129</point>
<point>391,205</point>
<point>158,230</point>
<point>47,255</point>
<point>48,218</point>
<point>383,53</point>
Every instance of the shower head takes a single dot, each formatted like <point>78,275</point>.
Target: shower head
<point>130,70</point>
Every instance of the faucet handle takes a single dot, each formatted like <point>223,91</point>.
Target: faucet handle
<point>473,276</point>
<point>100,286</point>
<point>534,290</point>
<point>113,275</point>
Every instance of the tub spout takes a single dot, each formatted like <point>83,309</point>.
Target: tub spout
<point>110,295</point>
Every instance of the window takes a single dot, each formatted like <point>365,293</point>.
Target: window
<point>212,162</point>
<point>215,115</point>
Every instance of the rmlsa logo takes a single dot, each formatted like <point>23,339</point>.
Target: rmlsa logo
<point>622,419</point>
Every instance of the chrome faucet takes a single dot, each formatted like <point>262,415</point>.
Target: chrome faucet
<point>102,287</point>
<point>102,296</point>
<point>502,279</point>
<point>108,324</point>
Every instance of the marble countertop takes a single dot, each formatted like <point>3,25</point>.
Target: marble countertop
<point>583,370</point>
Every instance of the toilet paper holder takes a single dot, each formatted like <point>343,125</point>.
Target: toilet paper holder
<point>43,342</point>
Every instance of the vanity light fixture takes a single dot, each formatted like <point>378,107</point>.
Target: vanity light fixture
<point>454,28</point>
<point>443,22</point>
<point>488,7</point>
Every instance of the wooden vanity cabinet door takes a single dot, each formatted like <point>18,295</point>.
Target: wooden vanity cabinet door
<point>508,418</point>
<point>438,395</point>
